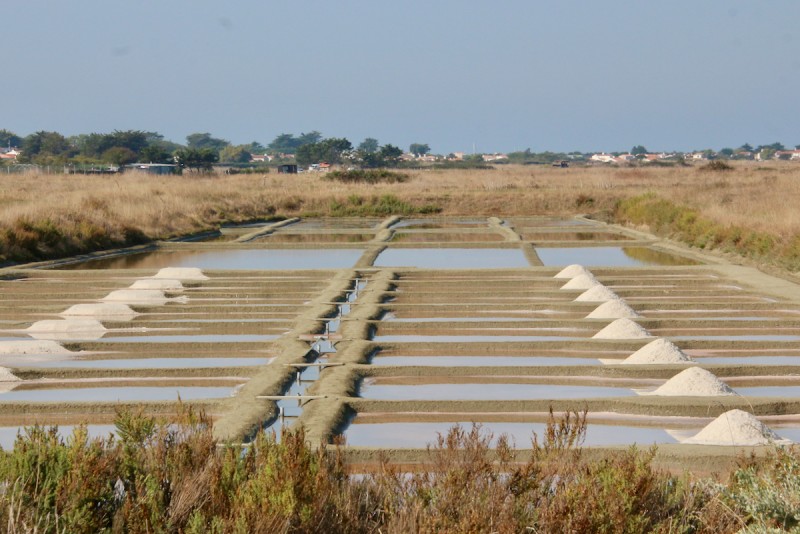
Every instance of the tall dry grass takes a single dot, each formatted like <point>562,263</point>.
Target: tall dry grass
<point>98,211</point>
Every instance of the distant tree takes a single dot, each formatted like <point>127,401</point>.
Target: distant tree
<point>308,138</point>
<point>156,154</point>
<point>331,150</point>
<point>390,154</point>
<point>235,154</point>
<point>747,147</point>
<point>95,145</point>
<point>9,139</point>
<point>283,144</point>
<point>419,149</point>
<point>256,148</point>
<point>639,150</point>
<point>46,148</point>
<point>204,140</point>
<point>202,159</point>
<point>727,152</point>
<point>119,155</point>
<point>773,147</point>
<point>369,145</point>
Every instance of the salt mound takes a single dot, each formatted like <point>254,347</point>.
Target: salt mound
<point>25,347</point>
<point>736,427</point>
<point>181,273</point>
<point>67,326</point>
<point>7,376</point>
<point>659,351</point>
<point>598,293</point>
<point>694,382</point>
<point>144,296</point>
<point>613,309</point>
<point>582,281</point>
<point>571,271</point>
<point>167,284</point>
<point>111,310</point>
<point>622,329</point>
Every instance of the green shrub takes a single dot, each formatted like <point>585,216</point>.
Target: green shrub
<point>367,176</point>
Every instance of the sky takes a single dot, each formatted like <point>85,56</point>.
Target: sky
<point>459,75</point>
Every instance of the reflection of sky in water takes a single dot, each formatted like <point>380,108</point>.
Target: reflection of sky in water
<point>268,259</point>
<point>114,394</point>
<point>749,360</point>
<point>769,391</point>
<point>452,258</point>
<point>488,391</point>
<point>153,363</point>
<point>470,339</point>
<point>608,257</point>
<point>418,435</point>
<point>481,361</point>
<point>8,434</point>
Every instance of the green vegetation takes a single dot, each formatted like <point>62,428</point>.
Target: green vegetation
<point>378,206</point>
<point>368,176</point>
<point>33,240</point>
<point>171,477</point>
<point>665,218</point>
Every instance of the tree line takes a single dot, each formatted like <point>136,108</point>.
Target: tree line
<point>200,152</point>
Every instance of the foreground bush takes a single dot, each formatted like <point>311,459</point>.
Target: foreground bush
<point>158,477</point>
<point>367,176</point>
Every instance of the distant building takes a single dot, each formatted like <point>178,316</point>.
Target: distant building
<point>9,154</point>
<point>494,157</point>
<point>153,168</point>
<point>260,158</point>
<point>287,169</point>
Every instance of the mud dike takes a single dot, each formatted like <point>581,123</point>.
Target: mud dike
<point>391,330</point>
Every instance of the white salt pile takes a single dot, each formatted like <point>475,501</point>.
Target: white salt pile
<point>571,271</point>
<point>67,325</point>
<point>622,329</point>
<point>659,351</point>
<point>166,284</point>
<point>28,346</point>
<point>67,329</point>
<point>736,427</point>
<point>181,273</point>
<point>107,310</point>
<point>7,376</point>
<point>582,281</point>
<point>613,309</point>
<point>598,293</point>
<point>138,296</point>
<point>694,382</point>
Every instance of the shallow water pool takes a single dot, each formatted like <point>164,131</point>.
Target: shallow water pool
<point>489,391</point>
<point>608,257</point>
<point>452,258</point>
<point>250,259</point>
<point>419,435</point>
<point>116,394</point>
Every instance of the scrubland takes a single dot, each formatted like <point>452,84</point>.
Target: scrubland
<point>158,477</point>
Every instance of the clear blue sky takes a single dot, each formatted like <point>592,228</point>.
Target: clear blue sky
<point>507,75</point>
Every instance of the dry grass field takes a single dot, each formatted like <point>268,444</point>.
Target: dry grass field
<point>46,216</point>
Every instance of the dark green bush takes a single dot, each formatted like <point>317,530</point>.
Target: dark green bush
<point>367,176</point>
